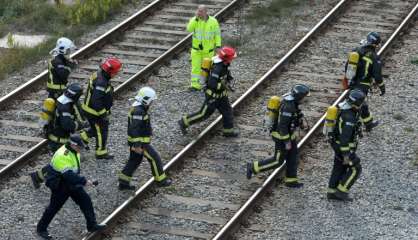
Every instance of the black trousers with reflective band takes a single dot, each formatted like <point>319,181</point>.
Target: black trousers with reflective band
<point>344,176</point>
<point>280,154</point>
<point>135,160</point>
<point>99,129</point>
<point>59,197</point>
<point>209,106</point>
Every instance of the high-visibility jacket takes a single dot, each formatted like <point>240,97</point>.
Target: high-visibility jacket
<point>139,126</point>
<point>59,68</point>
<point>287,121</point>
<point>66,161</point>
<point>206,34</point>
<point>99,98</point>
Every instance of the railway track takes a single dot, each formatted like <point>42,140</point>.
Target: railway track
<point>211,196</point>
<point>144,42</point>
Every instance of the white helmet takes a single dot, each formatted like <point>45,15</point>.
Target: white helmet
<point>145,96</point>
<point>64,46</point>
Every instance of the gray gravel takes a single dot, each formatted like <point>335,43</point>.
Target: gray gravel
<point>385,197</point>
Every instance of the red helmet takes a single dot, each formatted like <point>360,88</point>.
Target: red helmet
<point>227,54</point>
<point>111,66</point>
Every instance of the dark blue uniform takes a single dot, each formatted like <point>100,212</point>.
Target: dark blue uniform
<point>59,68</point>
<point>96,107</point>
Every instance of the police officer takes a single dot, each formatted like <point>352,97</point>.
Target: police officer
<point>139,140</point>
<point>97,104</point>
<point>206,39</point>
<point>369,68</point>
<point>65,181</point>
<point>347,167</point>
<point>283,134</point>
<point>216,94</point>
<point>59,68</point>
<point>67,119</point>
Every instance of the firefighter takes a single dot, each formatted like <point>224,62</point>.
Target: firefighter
<point>283,134</point>
<point>65,181</point>
<point>67,120</point>
<point>59,68</point>
<point>347,167</point>
<point>216,93</point>
<point>369,68</point>
<point>97,104</point>
<point>206,40</point>
<point>139,140</point>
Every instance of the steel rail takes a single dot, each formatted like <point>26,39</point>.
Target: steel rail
<point>230,226</point>
<point>178,157</point>
<point>98,42</point>
<point>180,46</point>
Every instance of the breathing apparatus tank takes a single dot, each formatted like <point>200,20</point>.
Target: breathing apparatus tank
<point>270,117</point>
<point>206,65</point>
<point>47,113</point>
<point>350,73</point>
<point>330,121</point>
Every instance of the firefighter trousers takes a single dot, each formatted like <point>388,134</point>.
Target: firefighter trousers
<point>281,154</point>
<point>99,128</point>
<point>55,93</point>
<point>135,159</point>
<point>197,58</point>
<point>209,106</point>
<point>365,114</point>
<point>344,176</point>
<point>58,198</point>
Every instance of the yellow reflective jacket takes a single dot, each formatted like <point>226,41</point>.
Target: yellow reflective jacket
<point>65,160</point>
<point>206,34</point>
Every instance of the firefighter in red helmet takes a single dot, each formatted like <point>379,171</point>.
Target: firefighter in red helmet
<point>216,92</point>
<point>97,104</point>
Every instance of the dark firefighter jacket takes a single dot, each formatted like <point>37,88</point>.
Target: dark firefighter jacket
<point>347,129</point>
<point>67,117</point>
<point>219,77</point>
<point>288,119</point>
<point>369,68</point>
<point>59,68</point>
<point>99,98</point>
<point>139,126</point>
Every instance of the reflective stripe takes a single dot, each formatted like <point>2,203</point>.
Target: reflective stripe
<point>351,178</point>
<point>368,62</point>
<point>157,176</point>
<point>275,134</point>
<point>342,188</point>
<point>140,117</point>
<point>382,84</point>
<point>101,152</point>
<point>287,114</point>
<point>56,86</point>
<point>344,149</point>
<point>228,130</point>
<point>139,139</point>
<point>92,111</point>
<point>290,179</point>
<point>100,88</point>
<point>331,190</point>
<point>367,119</point>
<point>57,139</point>
<point>216,95</point>
<point>185,121</point>
<point>67,114</point>
<point>256,168</point>
<point>124,177</point>
<point>200,115</point>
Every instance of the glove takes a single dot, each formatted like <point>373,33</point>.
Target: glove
<point>347,160</point>
<point>288,145</point>
<point>382,90</point>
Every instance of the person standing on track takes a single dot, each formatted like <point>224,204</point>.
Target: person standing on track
<point>368,72</point>
<point>66,121</point>
<point>65,181</point>
<point>139,140</point>
<point>283,134</point>
<point>60,67</point>
<point>344,141</point>
<point>206,40</point>
<point>219,81</point>
<point>97,104</point>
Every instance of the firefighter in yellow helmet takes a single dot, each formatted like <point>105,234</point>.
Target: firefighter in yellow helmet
<point>206,39</point>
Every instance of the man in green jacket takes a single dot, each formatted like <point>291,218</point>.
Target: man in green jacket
<point>206,38</point>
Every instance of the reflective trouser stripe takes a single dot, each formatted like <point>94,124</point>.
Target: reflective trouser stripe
<point>124,177</point>
<point>55,86</point>
<point>56,139</point>
<point>155,171</point>
<point>258,168</point>
<point>84,136</point>
<point>331,190</point>
<point>40,174</point>
<point>290,179</point>
<point>344,187</point>
<point>100,148</point>
<point>228,130</point>
<point>367,119</point>
<point>195,117</point>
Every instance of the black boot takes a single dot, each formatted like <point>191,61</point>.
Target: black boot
<point>44,234</point>
<point>369,126</point>
<point>233,133</point>
<point>105,156</point>
<point>165,183</point>
<point>97,227</point>
<point>126,186</point>
<point>35,180</point>
<point>293,184</point>
<point>183,127</point>
<point>249,170</point>
<point>342,196</point>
